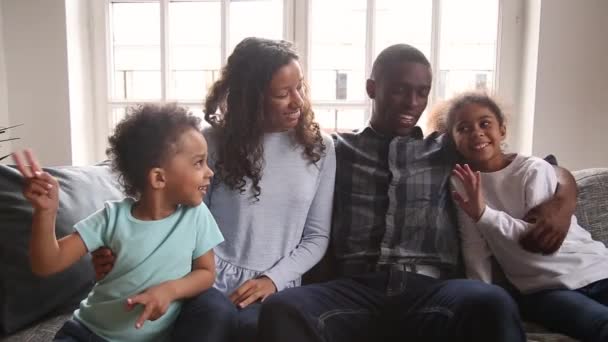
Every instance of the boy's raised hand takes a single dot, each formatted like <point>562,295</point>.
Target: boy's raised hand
<point>474,205</point>
<point>41,189</point>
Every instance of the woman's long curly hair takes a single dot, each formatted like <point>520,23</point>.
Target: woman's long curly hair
<point>240,122</point>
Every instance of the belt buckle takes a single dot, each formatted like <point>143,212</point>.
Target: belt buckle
<point>396,279</point>
<point>393,267</point>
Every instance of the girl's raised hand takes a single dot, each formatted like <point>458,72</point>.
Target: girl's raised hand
<point>40,188</point>
<point>473,204</point>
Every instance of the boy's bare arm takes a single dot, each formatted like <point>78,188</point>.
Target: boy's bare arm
<point>157,299</point>
<point>201,278</point>
<point>47,255</point>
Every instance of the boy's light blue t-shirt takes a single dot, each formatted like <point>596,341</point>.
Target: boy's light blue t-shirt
<point>147,254</point>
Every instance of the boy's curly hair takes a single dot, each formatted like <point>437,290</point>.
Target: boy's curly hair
<point>239,96</point>
<point>145,139</point>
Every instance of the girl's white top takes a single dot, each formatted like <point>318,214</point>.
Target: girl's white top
<point>510,193</point>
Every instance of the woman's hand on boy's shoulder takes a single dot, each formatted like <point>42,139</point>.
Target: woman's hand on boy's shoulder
<point>253,290</point>
<point>103,262</point>
<point>40,188</point>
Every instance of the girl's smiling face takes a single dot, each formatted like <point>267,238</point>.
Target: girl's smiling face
<point>478,136</point>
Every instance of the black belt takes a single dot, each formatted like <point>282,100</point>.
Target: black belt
<point>350,269</point>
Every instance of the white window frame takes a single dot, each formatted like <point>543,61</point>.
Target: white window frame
<point>296,14</point>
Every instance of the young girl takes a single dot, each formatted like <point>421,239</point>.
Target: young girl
<point>163,234</point>
<point>567,291</point>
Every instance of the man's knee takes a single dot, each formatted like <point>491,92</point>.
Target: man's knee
<point>486,299</point>
<point>279,306</point>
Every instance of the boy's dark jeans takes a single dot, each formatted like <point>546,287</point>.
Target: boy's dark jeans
<point>74,331</point>
<point>392,305</point>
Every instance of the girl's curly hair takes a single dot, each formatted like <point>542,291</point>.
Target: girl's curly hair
<point>146,138</point>
<point>239,96</point>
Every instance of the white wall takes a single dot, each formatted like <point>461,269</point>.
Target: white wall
<point>5,147</point>
<point>571,111</point>
<point>37,76</point>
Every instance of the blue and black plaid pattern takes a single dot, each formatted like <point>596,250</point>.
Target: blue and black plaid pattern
<point>392,202</point>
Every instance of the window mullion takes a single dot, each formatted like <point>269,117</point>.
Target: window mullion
<point>370,43</point>
<point>435,46</point>
<point>102,63</point>
<point>164,50</point>
<point>301,34</point>
<point>497,61</point>
<point>224,30</point>
<point>289,20</point>
<point>370,39</point>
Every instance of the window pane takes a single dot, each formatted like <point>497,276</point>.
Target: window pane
<point>467,58</point>
<point>346,120</point>
<point>338,49</point>
<point>198,111</point>
<point>194,35</point>
<point>257,18</point>
<point>117,114</point>
<point>135,45</point>
<point>404,22</point>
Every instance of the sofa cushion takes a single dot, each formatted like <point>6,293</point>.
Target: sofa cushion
<point>24,297</point>
<point>41,332</point>
<point>592,205</point>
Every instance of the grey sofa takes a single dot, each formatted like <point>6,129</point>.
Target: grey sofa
<point>592,213</point>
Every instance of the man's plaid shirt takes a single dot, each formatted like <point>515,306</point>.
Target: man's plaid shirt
<point>392,202</point>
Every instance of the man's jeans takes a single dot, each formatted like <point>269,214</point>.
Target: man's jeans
<point>212,317</point>
<point>391,306</point>
<point>581,313</point>
<point>74,331</point>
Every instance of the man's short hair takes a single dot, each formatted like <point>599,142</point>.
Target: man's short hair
<point>394,54</point>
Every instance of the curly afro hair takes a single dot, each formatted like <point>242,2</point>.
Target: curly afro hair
<point>145,139</point>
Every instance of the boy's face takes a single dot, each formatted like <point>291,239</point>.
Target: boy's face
<point>187,174</point>
<point>400,96</point>
<point>478,136</point>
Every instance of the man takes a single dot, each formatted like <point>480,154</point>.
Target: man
<point>394,239</point>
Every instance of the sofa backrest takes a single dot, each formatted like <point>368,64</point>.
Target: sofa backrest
<point>592,205</point>
<point>24,297</point>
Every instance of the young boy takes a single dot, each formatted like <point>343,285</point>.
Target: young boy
<point>162,233</point>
